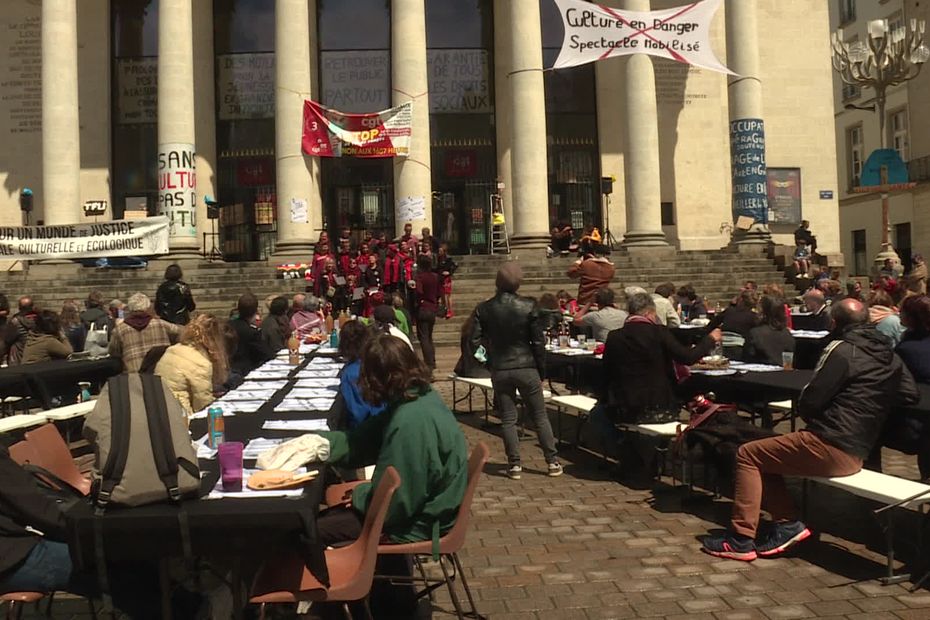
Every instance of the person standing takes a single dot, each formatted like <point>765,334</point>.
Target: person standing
<point>509,326</point>
<point>919,273</point>
<point>428,291</point>
<point>173,300</point>
<point>594,272</point>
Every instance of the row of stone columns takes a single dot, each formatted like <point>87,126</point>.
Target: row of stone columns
<point>519,20</point>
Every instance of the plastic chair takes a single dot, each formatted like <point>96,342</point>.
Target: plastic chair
<point>351,568</point>
<point>53,454</point>
<point>23,452</point>
<point>16,601</point>
<point>449,544</point>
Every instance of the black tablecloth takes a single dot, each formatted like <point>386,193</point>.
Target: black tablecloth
<point>754,387</point>
<point>45,380</point>
<point>251,529</point>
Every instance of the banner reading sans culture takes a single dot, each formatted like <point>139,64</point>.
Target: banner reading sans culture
<point>750,180</point>
<point>331,133</point>
<point>146,237</point>
<point>594,32</point>
<point>177,188</point>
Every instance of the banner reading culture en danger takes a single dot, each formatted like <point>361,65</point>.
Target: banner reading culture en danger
<point>331,133</point>
<point>145,237</point>
<point>594,32</point>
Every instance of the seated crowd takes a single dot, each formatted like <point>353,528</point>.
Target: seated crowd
<point>393,417</point>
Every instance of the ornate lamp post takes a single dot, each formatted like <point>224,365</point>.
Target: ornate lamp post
<point>887,58</point>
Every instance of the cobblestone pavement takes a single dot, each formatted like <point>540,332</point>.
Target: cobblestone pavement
<point>586,546</point>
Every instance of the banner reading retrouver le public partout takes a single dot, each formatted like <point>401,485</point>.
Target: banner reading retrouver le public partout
<point>331,133</point>
<point>146,237</point>
<point>594,32</point>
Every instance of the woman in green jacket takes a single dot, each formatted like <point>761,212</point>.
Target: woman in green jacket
<point>417,435</point>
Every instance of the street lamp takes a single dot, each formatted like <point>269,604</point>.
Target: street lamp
<point>887,58</point>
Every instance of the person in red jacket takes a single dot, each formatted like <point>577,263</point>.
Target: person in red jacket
<point>391,274</point>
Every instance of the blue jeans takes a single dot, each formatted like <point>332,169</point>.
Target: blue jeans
<point>47,568</point>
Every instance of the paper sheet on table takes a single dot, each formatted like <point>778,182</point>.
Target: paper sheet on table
<point>199,415</point>
<point>261,384</point>
<point>313,392</point>
<point>271,373</point>
<point>318,373</point>
<point>242,406</point>
<point>327,351</point>
<point>295,425</point>
<point>808,333</point>
<point>305,404</point>
<point>754,367</point>
<point>203,450</point>
<point>277,364</point>
<point>258,445</point>
<point>317,382</point>
<point>248,394</point>
<point>246,492</point>
<point>323,361</point>
<point>308,348</point>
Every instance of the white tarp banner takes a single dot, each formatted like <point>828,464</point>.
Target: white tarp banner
<point>145,237</point>
<point>594,32</point>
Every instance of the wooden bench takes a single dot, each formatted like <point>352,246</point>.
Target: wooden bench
<point>891,491</point>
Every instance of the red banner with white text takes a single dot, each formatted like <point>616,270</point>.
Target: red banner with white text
<point>331,133</point>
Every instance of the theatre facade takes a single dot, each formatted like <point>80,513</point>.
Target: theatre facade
<point>153,105</point>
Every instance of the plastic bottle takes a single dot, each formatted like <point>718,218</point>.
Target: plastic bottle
<point>293,349</point>
<point>334,339</point>
<point>343,319</point>
<point>329,323</point>
<point>216,426</point>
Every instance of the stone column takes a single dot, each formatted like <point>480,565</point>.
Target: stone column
<point>412,174</point>
<point>204,118</point>
<point>502,106</point>
<point>292,86</point>
<point>747,128</point>
<point>177,178</point>
<point>641,161</point>
<point>61,143</point>
<point>528,127</point>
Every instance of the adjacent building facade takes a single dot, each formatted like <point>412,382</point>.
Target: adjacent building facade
<point>153,105</point>
<point>907,130</point>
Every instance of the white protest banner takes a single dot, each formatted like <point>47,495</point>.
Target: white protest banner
<point>145,237</point>
<point>594,32</point>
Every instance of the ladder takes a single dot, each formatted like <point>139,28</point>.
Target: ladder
<point>499,241</point>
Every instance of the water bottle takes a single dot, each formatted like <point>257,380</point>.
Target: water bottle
<point>216,426</point>
<point>334,339</point>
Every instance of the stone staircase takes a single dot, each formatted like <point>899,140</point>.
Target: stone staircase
<point>716,275</point>
<point>216,286</point>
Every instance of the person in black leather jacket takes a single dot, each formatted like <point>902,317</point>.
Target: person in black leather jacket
<point>173,300</point>
<point>509,326</point>
<point>858,380</point>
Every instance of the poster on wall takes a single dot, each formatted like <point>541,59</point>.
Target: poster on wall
<point>245,86</point>
<point>594,32</point>
<point>147,237</point>
<point>137,90</point>
<point>784,195</point>
<point>332,133</point>
<point>458,81</point>
<point>177,188</point>
<point>356,81</point>
<point>747,165</point>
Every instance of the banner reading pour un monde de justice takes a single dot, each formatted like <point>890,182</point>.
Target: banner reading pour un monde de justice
<point>331,133</point>
<point>594,32</point>
<point>146,237</point>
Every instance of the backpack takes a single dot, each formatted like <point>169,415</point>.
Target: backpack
<point>142,449</point>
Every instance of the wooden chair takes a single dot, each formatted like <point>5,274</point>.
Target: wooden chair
<point>449,544</point>
<point>53,454</point>
<point>351,568</point>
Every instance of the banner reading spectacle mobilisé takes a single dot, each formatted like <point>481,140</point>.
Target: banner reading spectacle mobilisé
<point>146,237</point>
<point>594,32</point>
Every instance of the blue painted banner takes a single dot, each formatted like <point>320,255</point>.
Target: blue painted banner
<point>747,163</point>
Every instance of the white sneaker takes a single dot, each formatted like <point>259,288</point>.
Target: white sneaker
<point>555,469</point>
<point>514,472</point>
